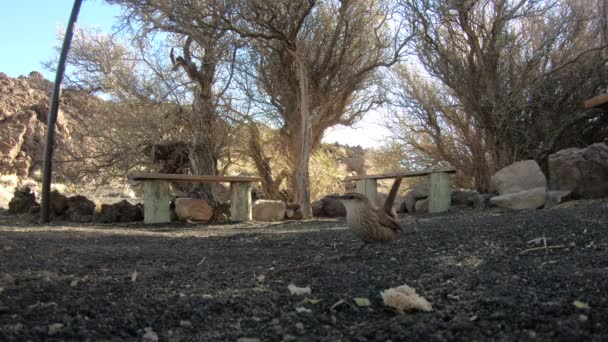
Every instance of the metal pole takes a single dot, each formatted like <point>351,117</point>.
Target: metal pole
<point>52,116</point>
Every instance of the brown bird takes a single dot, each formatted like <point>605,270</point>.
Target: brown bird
<point>368,222</point>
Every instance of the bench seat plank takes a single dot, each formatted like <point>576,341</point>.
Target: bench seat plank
<point>404,174</point>
<point>139,176</point>
<point>596,102</point>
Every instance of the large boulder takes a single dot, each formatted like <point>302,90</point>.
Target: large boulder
<point>23,201</point>
<point>58,203</point>
<point>80,209</point>
<point>417,191</point>
<point>268,210</point>
<point>122,211</point>
<point>330,207</point>
<point>193,209</point>
<point>517,177</point>
<point>584,171</point>
<point>422,206</point>
<point>317,208</point>
<point>527,199</point>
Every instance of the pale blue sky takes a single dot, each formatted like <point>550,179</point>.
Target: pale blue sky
<point>28,34</point>
<point>28,30</point>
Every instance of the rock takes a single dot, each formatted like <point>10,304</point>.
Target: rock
<point>122,211</point>
<point>8,184</point>
<point>480,201</point>
<point>80,209</point>
<point>419,190</point>
<point>221,213</point>
<point>517,177</point>
<point>555,197</point>
<point>268,210</point>
<point>317,208</point>
<point>332,207</point>
<point>416,192</point>
<point>55,328</point>
<point>462,197</point>
<point>400,206</point>
<point>23,200</point>
<point>149,335</point>
<point>527,199</point>
<point>422,206</point>
<point>584,171</point>
<point>409,203</point>
<point>193,209</point>
<point>289,213</point>
<point>58,203</point>
<point>24,105</point>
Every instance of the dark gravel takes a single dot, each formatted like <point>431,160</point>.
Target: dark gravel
<point>196,282</point>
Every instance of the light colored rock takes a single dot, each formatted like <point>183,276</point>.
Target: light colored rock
<point>520,176</point>
<point>416,192</point>
<point>268,210</point>
<point>555,197</point>
<point>527,199</point>
<point>419,190</point>
<point>584,171</point>
<point>422,206</point>
<point>193,209</point>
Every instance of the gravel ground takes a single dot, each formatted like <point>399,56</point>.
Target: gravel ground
<point>197,282</point>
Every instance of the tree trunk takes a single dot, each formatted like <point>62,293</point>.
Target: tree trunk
<point>270,186</point>
<point>302,174</point>
<point>202,150</point>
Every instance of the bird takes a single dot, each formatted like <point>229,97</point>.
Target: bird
<point>368,222</point>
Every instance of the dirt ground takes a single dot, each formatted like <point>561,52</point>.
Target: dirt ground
<point>230,282</point>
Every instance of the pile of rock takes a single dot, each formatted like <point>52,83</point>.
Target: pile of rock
<point>521,185</point>
<point>74,208</point>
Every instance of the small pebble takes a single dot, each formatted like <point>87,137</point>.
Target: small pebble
<point>150,335</point>
<point>55,328</point>
<point>289,338</point>
<point>248,339</point>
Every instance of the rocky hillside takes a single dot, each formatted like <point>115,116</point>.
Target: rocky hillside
<point>24,105</point>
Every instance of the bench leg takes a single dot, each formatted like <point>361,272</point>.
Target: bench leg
<point>240,203</point>
<point>369,188</point>
<point>439,192</point>
<point>156,201</point>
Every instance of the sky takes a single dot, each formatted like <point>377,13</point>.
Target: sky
<point>28,36</point>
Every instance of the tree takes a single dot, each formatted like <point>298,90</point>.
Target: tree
<point>174,66</point>
<point>317,61</point>
<point>500,77</point>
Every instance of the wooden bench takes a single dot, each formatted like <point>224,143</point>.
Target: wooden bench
<point>598,102</point>
<point>439,185</point>
<point>157,199</point>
